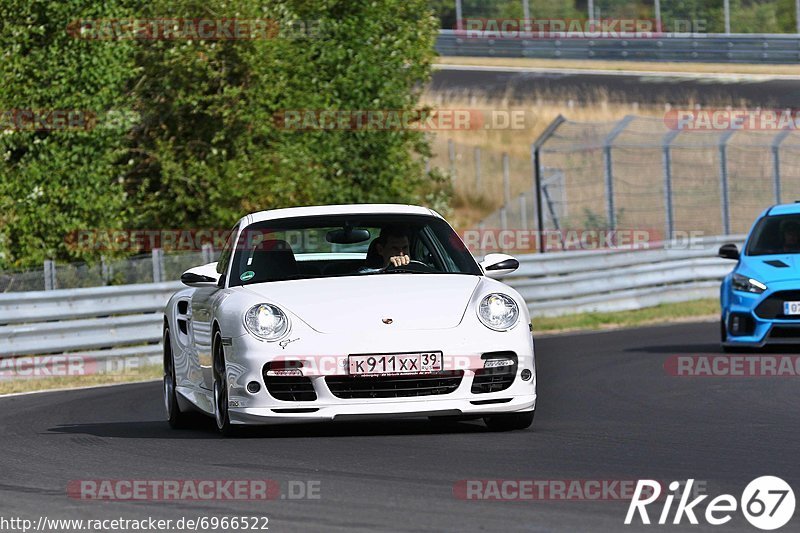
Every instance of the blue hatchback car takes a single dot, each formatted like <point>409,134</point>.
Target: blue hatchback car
<point>760,298</point>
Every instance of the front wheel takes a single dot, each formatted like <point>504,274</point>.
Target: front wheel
<point>221,414</point>
<point>510,422</point>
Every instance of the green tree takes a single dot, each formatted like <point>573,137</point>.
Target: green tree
<point>198,144</point>
<point>204,154</point>
<point>57,181</point>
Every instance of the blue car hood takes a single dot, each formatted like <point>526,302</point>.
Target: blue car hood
<point>771,268</point>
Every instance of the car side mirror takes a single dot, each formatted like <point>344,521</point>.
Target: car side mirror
<point>202,276</point>
<point>729,251</point>
<point>498,265</point>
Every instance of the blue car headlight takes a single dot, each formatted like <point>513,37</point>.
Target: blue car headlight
<point>745,284</point>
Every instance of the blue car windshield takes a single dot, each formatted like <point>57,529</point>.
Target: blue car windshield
<point>778,234</point>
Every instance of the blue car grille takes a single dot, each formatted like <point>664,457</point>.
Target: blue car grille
<point>772,306</point>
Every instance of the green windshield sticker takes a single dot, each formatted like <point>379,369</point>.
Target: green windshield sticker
<point>247,276</point>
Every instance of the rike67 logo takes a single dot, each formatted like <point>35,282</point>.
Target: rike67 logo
<point>767,503</point>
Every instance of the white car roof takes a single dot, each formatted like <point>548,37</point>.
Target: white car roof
<point>350,209</point>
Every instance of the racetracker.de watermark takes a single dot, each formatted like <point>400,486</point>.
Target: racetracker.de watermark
<point>127,240</point>
<point>65,365</point>
<point>551,489</point>
<point>401,119</point>
<point>712,119</point>
<point>574,28</point>
<point>511,240</point>
<point>192,29</point>
<point>12,120</point>
<point>192,489</point>
<point>732,366</point>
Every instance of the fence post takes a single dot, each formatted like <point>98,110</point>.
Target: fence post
<point>480,249</point>
<point>105,270</point>
<point>609,171</point>
<point>723,181</point>
<point>503,218</point>
<point>477,153</point>
<point>526,15</point>
<point>506,180</point>
<point>451,154</point>
<point>669,223</point>
<point>158,265</point>
<point>537,175</point>
<point>523,212</point>
<point>49,275</point>
<point>208,253</point>
<point>776,164</point>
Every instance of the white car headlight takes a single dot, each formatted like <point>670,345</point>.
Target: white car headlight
<point>745,284</point>
<point>266,321</point>
<point>498,312</point>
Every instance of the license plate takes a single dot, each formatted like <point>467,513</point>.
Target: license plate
<point>791,308</point>
<point>396,363</point>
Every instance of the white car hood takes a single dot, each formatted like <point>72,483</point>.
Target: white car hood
<point>361,303</point>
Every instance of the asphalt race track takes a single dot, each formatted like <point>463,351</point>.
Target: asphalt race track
<point>607,411</point>
<point>655,88</point>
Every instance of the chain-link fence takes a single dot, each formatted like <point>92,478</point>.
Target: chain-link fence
<point>153,267</point>
<point>639,173</point>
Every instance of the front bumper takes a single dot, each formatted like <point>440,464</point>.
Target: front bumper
<point>247,356</point>
<point>764,330</point>
<point>372,409</point>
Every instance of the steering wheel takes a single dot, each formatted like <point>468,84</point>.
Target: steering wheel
<point>412,266</point>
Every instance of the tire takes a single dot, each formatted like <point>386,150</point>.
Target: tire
<point>510,422</point>
<point>177,419</point>
<point>723,336</point>
<point>221,415</point>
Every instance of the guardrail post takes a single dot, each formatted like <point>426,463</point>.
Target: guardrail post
<point>609,172</point>
<point>669,224</point>
<point>158,265</point>
<point>477,153</point>
<point>49,275</point>
<point>506,180</point>
<point>776,163</point>
<point>723,182</point>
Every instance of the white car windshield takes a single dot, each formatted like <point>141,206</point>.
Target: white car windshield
<point>347,245</point>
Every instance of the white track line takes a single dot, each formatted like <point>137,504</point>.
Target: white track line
<point>66,389</point>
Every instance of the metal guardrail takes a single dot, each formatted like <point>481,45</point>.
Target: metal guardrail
<point>576,282</point>
<point>92,321</point>
<point>125,321</point>
<point>718,48</point>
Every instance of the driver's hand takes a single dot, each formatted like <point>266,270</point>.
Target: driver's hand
<point>399,260</point>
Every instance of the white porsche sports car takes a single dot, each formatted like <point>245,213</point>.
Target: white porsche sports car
<point>348,312</point>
